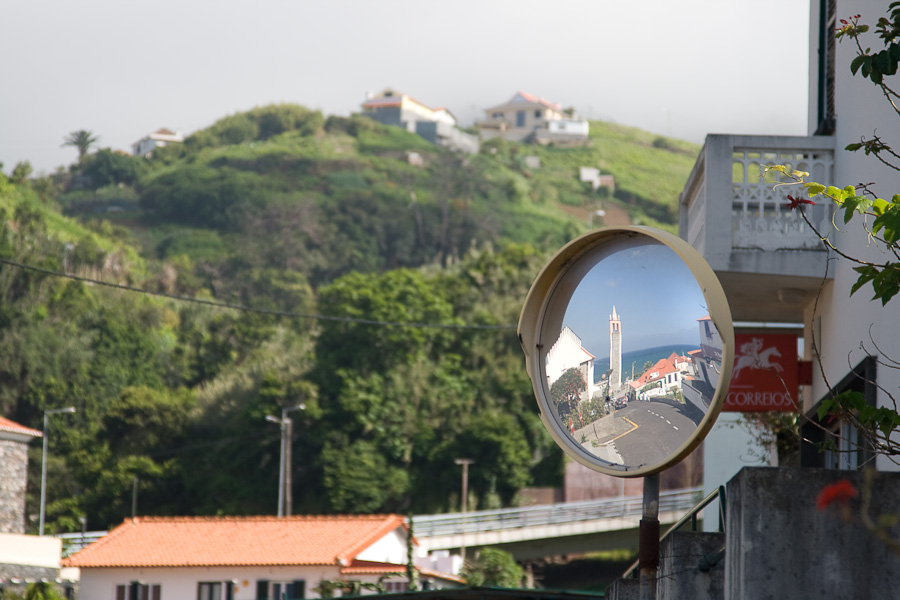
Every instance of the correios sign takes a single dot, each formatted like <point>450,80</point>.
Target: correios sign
<point>765,373</point>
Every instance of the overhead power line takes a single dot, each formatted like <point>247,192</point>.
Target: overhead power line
<point>242,307</point>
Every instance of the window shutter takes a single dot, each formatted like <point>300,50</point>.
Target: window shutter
<point>299,590</point>
<point>262,589</point>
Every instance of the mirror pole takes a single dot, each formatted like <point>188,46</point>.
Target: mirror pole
<point>648,542</point>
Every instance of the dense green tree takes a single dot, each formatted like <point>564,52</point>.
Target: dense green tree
<point>21,172</point>
<point>106,167</point>
<point>493,567</point>
<point>205,197</point>
<point>566,390</point>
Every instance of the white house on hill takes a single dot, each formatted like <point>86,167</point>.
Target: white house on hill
<point>161,137</point>
<point>437,125</point>
<point>529,118</point>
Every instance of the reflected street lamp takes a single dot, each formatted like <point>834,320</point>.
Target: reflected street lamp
<point>47,413</point>
<point>285,499</point>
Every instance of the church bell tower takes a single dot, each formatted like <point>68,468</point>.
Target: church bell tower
<point>615,350</point>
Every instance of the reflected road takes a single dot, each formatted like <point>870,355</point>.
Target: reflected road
<point>639,434</point>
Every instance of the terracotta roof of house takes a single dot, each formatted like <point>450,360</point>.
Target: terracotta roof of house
<point>395,99</point>
<point>368,567</point>
<point>535,100</point>
<point>663,367</point>
<point>7,425</point>
<point>164,131</point>
<point>236,541</point>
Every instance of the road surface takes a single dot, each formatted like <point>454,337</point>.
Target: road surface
<point>640,433</point>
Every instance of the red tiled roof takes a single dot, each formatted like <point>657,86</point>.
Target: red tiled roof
<point>537,100</point>
<point>235,541</point>
<point>368,567</point>
<point>383,102</point>
<point>7,425</point>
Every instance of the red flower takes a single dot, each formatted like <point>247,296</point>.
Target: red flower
<point>840,492</point>
<point>796,202</point>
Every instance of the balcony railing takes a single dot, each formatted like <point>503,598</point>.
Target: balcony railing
<point>761,215</point>
<point>730,203</point>
<point>738,216</point>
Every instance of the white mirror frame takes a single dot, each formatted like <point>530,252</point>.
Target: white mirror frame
<point>548,299</point>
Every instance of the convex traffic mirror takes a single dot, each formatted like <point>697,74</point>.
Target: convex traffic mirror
<point>629,344</point>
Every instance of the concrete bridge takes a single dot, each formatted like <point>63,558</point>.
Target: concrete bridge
<point>551,530</point>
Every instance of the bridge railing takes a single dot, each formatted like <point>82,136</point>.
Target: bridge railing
<point>549,514</point>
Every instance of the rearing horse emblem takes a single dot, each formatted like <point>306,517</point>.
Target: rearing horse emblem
<point>753,356</point>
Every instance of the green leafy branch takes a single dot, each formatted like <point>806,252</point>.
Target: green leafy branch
<point>885,228</point>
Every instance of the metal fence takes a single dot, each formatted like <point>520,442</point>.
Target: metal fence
<point>73,542</point>
<point>550,514</point>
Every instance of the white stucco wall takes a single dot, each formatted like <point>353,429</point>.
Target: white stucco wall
<point>181,583</point>
<point>31,550</point>
<point>846,321</point>
<point>390,549</point>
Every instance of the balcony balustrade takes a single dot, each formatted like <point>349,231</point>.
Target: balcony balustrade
<point>739,218</point>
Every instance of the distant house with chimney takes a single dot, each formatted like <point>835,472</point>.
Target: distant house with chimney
<point>161,137</point>
<point>437,125</point>
<point>529,118</point>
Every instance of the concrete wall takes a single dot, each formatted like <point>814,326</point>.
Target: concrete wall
<point>844,321</point>
<point>781,546</point>
<point>680,554</point>
<point>29,557</point>
<point>13,477</point>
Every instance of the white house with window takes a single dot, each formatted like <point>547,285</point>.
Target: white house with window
<point>159,138</point>
<point>247,558</point>
<point>529,118</point>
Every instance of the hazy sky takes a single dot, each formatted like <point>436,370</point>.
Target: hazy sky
<point>656,296</point>
<point>124,69</point>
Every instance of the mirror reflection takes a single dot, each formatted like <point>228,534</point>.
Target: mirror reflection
<point>637,360</point>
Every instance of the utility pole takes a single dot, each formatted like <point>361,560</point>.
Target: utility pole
<point>47,413</point>
<point>465,462</point>
<point>288,488</point>
<point>285,496</point>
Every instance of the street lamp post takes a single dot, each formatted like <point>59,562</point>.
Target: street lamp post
<point>285,497</point>
<point>465,462</point>
<point>47,413</point>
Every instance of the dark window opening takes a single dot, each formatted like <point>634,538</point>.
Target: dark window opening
<point>825,102</point>
<point>833,444</point>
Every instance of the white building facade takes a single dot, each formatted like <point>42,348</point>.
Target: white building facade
<point>774,267</point>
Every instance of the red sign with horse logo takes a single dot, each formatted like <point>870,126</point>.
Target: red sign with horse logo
<point>765,373</point>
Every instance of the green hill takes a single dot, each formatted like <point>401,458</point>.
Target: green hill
<point>377,291</point>
<point>293,190</point>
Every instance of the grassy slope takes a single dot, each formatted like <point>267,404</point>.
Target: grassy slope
<point>656,175</point>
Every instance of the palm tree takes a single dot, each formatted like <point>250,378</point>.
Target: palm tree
<point>81,139</point>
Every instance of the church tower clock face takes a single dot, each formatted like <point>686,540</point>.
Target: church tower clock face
<point>628,342</point>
